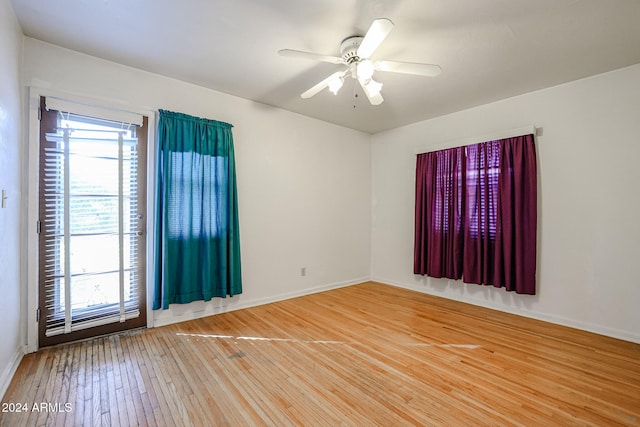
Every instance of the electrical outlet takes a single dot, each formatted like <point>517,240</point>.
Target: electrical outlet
<point>303,271</point>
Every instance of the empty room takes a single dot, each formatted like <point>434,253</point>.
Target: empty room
<point>320,213</point>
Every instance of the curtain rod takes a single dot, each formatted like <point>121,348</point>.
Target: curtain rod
<point>461,142</point>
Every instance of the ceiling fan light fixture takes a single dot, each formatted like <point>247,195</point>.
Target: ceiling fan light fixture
<point>365,70</point>
<point>335,83</point>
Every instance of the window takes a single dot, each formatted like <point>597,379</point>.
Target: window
<point>448,185</point>
<point>196,205</point>
<point>481,178</point>
<point>476,214</point>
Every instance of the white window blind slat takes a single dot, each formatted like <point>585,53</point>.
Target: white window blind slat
<point>105,320</point>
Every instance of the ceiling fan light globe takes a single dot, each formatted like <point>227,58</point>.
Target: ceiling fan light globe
<point>365,70</point>
<point>335,84</point>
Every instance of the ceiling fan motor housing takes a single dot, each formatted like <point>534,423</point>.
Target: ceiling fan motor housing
<point>349,49</point>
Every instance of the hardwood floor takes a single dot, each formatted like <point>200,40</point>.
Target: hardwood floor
<point>364,355</point>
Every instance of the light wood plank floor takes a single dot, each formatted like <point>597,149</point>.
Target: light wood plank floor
<point>364,355</point>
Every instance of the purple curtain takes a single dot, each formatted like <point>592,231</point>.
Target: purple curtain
<point>493,209</point>
<point>439,213</point>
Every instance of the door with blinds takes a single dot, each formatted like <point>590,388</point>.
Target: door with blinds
<point>92,221</point>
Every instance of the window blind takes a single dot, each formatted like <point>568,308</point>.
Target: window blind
<point>89,110</point>
<point>90,197</point>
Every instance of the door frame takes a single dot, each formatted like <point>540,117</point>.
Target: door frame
<point>31,203</point>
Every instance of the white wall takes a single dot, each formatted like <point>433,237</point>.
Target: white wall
<point>304,186</point>
<point>11,340</point>
<point>589,202</point>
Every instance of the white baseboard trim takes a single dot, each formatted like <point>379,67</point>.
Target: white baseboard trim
<point>223,305</point>
<point>546,317</point>
<point>10,371</point>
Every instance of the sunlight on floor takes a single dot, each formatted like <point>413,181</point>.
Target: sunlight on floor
<point>231,337</point>
<point>259,338</point>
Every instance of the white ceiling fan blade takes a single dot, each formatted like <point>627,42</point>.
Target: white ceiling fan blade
<point>324,83</point>
<point>374,99</point>
<point>308,55</point>
<point>378,31</point>
<point>428,70</point>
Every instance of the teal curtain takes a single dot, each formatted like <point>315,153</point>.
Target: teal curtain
<point>197,254</point>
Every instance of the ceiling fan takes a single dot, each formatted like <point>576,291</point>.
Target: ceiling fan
<point>356,52</point>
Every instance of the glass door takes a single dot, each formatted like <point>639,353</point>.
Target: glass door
<point>91,226</point>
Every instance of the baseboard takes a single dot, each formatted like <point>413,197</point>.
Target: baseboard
<point>10,371</point>
<point>546,317</point>
<point>218,306</point>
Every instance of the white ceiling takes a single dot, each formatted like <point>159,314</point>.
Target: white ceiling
<point>488,49</point>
